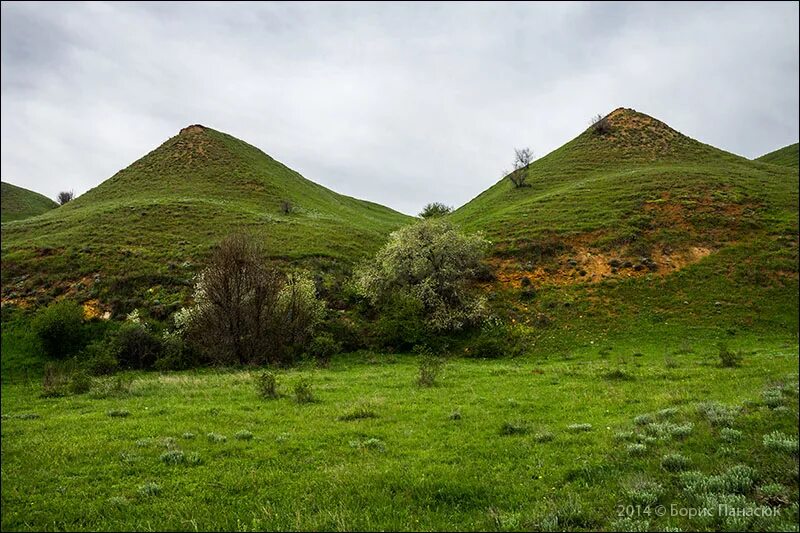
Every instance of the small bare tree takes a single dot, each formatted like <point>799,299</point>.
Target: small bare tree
<point>286,207</point>
<point>600,124</point>
<point>247,311</point>
<point>64,197</point>
<point>523,157</point>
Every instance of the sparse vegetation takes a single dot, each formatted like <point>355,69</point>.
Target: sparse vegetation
<point>522,159</point>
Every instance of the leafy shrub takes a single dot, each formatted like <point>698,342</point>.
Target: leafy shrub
<point>579,428</point>
<point>430,262</point>
<point>643,420</point>
<point>59,327</point>
<point>401,322</point>
<point>267,385</point>
<point>135,346</point>
<point>435,209</point>
<point>544,436</point>
<point>243,435</point>
<point>97,358</point>
<point>194,459</point>
<point>303,392</point>
<point>496,339</point>
<point>175,354</point>
<point>674,462</point>
<point>430,366</point>
<point>323,347</point>
<point>79,383</point>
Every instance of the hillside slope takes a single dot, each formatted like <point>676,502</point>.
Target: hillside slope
<point>788,156</point>
<point>643,222</point>
<point>17,203</point>
<point>152,223</point>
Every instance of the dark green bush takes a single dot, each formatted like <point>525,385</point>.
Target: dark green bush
<point>495,340</point>
<point>727,357</point>
<point>323,347</point>
<point>97,358</point>
<point>135,346</point>
<point>79,383</point>
<point>401,323</point>
<point>176,354</point>
<point>59,327</point>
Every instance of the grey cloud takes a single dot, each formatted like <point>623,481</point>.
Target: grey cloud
<point>400,103</point>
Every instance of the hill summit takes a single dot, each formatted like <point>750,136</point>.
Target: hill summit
<point>19,203</point>
<point>150,225</point>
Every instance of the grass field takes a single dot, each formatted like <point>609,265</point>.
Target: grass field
<point>19,203</point>
<point>547,442</point>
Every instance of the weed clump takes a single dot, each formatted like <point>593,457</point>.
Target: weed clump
<point>727,357</point>
<point>173,457</point>
<point>430,367</point>
<point>243,435</point>
<point>730,435</point>
<point>303,393</point>
<point>636,448</point>
<point>150,489</point>
<point>360,412</point>
<point>718,414</point>
<point>675,462</point>
<point>579,428</point>
<point>216,438</point>
<point>267,385</point>
<point>780,442</point>
<point>118,413</point>
<point>513,428</point>
<point>644,493</point>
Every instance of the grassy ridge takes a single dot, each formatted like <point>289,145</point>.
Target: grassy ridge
<point>151,223</point>
<point>19,203</point>
<point>788,156</point>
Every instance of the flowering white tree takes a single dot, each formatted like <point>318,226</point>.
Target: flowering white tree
<point>433,263</point>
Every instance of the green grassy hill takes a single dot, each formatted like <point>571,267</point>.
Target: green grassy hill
<point>151,224</point>
<point>640,226</point>
<point>788,156</point>
<point>18,203</point>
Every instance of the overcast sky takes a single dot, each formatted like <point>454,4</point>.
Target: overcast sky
<point>401,104</point>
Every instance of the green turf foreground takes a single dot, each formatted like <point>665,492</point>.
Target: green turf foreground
<point>608,439</point>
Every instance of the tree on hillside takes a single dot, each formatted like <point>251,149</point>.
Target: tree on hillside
<point>435,209</point>
<point>600,124</point>
<point>247,311</point>
<point>522,158</point>
<point>64,197</point>
<point>429,266</point>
